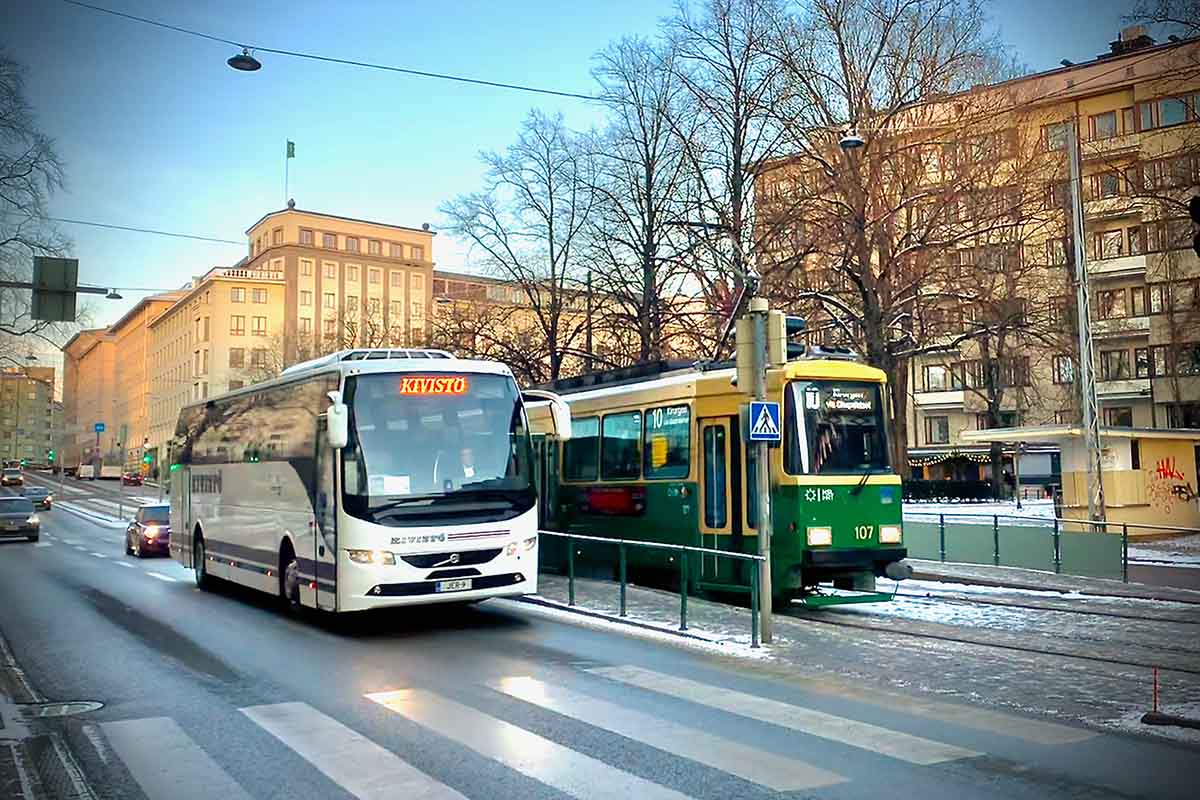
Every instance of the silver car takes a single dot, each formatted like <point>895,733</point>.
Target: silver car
<point>19,519</point>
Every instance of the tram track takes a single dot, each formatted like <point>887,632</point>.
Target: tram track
<point>1047,649</point>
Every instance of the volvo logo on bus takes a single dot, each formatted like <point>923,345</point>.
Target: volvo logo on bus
<point>453,559</point>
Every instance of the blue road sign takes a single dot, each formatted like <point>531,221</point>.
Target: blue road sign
<point>99,427</point>
<point>764,421</point>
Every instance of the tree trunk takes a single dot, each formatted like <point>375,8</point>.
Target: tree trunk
<point>997,455</point>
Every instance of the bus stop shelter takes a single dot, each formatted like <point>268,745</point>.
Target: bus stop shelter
<point>1150,474</point>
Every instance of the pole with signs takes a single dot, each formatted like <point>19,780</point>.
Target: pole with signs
<point>760,439</point>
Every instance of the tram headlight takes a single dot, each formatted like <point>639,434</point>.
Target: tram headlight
<point>818,537</point>
<point>372,557</point>
<point>889,534</point>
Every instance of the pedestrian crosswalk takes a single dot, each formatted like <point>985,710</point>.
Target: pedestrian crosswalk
<point>516,723</point>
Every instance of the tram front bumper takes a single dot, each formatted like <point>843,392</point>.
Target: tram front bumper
<point>820,565</point>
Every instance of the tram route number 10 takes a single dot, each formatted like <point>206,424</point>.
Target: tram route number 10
<point>863,532</point>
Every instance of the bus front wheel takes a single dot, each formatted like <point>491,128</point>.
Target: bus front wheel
<point>289,577</point>
<point>200,562</point>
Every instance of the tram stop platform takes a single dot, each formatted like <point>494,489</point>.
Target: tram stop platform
<point>1038,581</point>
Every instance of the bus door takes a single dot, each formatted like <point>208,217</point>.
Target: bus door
<point>716,510</point>
<point>181,514</point>
<point>325,520</point>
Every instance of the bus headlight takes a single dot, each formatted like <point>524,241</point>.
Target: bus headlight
<point>530,542</point>
<point>372,557</point>
<point>889,534</point>
<point>818,537</point>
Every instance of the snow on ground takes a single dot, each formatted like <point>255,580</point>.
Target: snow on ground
<point>1131,722</point>
<point>1182,550</point>
<point>1032,512</point>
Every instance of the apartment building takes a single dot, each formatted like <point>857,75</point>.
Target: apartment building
<point>89,397</point>
<point>27,413</point>
<point>1139,141</point>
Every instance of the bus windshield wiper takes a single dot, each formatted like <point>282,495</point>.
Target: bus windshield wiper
<point>863,482</point>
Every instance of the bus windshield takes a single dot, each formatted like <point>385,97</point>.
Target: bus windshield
<point>428,449</point>
<point>835,427</point>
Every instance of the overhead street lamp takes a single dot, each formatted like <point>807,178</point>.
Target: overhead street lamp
<point>244,62</point>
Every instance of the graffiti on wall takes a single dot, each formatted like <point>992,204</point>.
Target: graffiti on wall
<point>1169,487</point>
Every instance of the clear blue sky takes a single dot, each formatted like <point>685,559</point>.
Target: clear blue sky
<point>157,132</point>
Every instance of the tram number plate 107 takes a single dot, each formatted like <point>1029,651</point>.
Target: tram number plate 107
<point>452,586</point>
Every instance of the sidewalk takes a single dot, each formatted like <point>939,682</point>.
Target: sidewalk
<point>1015,578</point>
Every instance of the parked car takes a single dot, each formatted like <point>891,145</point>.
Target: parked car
<point>39,495</point>
<point>19,519</point>
<point>12,477</point>
<point>131,479</point>
<point>149,531</point>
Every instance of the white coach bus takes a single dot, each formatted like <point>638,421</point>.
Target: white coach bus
<point>364,479</point>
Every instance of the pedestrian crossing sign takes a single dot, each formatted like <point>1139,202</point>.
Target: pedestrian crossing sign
<point>764,422</point>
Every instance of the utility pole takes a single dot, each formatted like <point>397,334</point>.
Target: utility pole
<point>1087,368</point>
<point>762,473</point>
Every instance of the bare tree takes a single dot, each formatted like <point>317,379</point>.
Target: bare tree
<point>30,172</point>
<point>527,226</point>
<point>1181,15</point>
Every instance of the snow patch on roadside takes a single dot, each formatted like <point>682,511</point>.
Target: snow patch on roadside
<point>1131,722</point>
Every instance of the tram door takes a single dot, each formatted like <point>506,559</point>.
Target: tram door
<point>716,509</point>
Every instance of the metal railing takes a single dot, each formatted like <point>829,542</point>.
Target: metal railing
<point>1054,527</point>
<point>622,568</point>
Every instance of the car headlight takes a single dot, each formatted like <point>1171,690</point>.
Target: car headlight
<point>371,557</point>
<point>152,531</point>
<point>818,537</point>
<point>889,534</point>
<point>33,519</point>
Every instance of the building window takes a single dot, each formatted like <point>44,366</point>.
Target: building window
<point>937,378</point>
<point>1110,304</point>
<point>1127,124</point>
<point>395,250</point>
<point>305,297</point>
<point>1063,369</point>
<point>1137,242</point>
<point>1106,185</point>
<point>330,326</point>
<point>329,300</point>
<point>1119,417</point>
<point>258,295</point>
<point>237,295</point>
<point>937,430</point>
<point>237,325</point>
<point>329,241</point>
<point>397,278</point>
<point>418,284</point>
<point>237,357</point>
<point>373,276</point>
<point>373,306</point>
<point>352,273</point>
<point>277,236</point>
<point>351,302</point>
<point>1138,301</point>
<point>1172,111</point>
<point>258,326</point>
<point>330,269</point>
<point>1114,365</point>
<point>306,325</point>
<point>306,236</point>
<point>374,248</point>
<point>1141,362</point>
<point>1103,126</point>
<point>1109,244</point>
<point>1183,415</point>
<point>235,385</point>
<point>258,357</point>
<point>1064,417</point>
<point>352,244</point>
<point>395,309</point>
<point>418,253</point>
<point>306,267</point>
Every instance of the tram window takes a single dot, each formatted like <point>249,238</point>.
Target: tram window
<point>668,442</point>
<point>715,512</point>
<point>581,453</point>
<point>620,446</point>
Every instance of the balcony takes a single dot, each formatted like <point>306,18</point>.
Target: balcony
<point>955,398</point>
<point>1110,207</point>
<point>1130,388</point>
<point>1098,149</point>
<point>1121,326</point>
<point>1119,266</point>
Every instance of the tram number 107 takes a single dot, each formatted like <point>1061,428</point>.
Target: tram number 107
<point>863,532</point>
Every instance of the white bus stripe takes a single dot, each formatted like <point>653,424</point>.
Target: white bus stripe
<point>358,765</point>
<point>165,761</point>
<point>783,774</point>
<point>516,748</point>
<point>913,749</point>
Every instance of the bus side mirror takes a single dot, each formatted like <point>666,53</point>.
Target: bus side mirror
<point>559,416</point>
<point>337,422</point>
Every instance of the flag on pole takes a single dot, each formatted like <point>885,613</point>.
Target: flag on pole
<point>291,149</point>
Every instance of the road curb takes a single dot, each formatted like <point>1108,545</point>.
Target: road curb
<point>97,519</point>
<point>537,600</point>
<point>997,583</point>
<point>1158,718</point>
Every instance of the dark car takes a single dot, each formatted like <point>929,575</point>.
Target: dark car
<point>12,477</point>
<point>40,496</point>
<point>18,519</point>
<point>149,531</point>
<point>131,479</point>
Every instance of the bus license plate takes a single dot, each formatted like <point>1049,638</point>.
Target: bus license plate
<point>453,586</point>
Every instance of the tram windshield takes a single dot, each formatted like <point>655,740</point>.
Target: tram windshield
<point>835,427</point>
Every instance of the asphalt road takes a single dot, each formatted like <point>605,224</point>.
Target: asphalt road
<point>224,695</point>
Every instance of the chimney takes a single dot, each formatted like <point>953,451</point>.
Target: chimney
<point>1131,38</point>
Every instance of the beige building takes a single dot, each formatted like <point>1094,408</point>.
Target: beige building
<point>1138,114</point>
<point>89,390</point>
<point>27,414</point>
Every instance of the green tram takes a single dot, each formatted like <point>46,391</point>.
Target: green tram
<point>660,452</point>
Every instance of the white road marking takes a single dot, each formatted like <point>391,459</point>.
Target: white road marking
<point>70,541</point>
<point>98,555</point>
<point>358,765</point>
<point>43,544</point>
<point>516,748</point>
<point>160,576</point>
<point>166,762</point>
<point>124,564</point>
<point>81,548</point>
<point>781,773</point>
<point>913,749</point>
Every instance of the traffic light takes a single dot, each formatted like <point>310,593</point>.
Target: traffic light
<point>50,455</point>
<point>147,458</point>
<point>1194,213</point>
<point>24,462</point>
<point>781,329</point>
